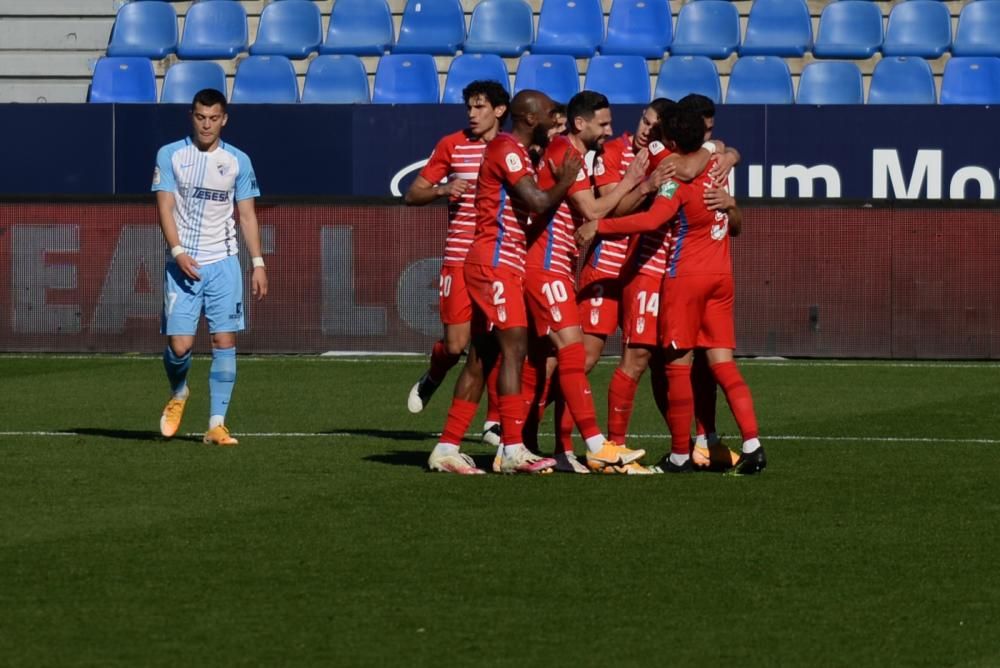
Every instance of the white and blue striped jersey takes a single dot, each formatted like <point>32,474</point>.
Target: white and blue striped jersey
<point>205,186</point>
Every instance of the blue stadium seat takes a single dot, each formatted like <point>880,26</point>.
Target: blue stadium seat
<point>978,32</point>
<point>265,80</point>
<point>831,82</point>
<point>187,77</point>
<point>707,28</point>
<point>406,79</point>
<point>902,80</point>
<point>471,67</point>
<point>778,28</point>
<point>638,27</point>
<point>214,30</point>
<point>554,75</point>
<point>146,29</point>
<point>123,79</point>
<point>436,27</point>
<point>971,80</point>
<point>572,27</point>
<point>292,28</point>
<point>623,79</point>
<point>849,29</point>
<point>918,28</point>
<point>760,80</point>
<point>360,27</point>
<point>681,75</point>
<point>336,79</point>
<point>503,27</point>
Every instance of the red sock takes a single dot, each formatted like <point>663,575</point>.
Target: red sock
<point>680,410</point>
<point>576,389</point>
<point>459,417</point>
<point>738,396</point>
<point>441,362</point>
<point>492,396</point>
<point>621,398</point>
<point>703,384</point>
<point>564,425</point>
<point>511,418</point>
<point>529,388</point>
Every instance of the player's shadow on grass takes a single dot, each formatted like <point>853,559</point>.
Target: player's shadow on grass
<point>127,434</point>
<point>416,458</point>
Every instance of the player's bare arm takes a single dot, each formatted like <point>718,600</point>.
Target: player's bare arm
<point>538,200</point>
<point>719,199</point>
<point>165,206</point>
<point>422,191</point>
<point>590,207</point>
<point>637,197</point>
<point>251,236</point>
<point>725,162</point>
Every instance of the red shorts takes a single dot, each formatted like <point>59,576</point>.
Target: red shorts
<point>550,297</point>
<point>641,310</point>
<point>598,302</point>
<point>497,295</point>
<point>698,312</point>
<point>456,308</point>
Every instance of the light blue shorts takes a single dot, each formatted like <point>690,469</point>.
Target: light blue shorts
<point>219,293</point>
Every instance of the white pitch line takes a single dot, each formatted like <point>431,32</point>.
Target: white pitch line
<point>420,359</point>
<point>664,437</point>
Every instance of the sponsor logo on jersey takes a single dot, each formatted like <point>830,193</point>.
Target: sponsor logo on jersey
<point>656,147</point>
<point>514,162</point>
<point>640,324</point>
<point>668,189</point>
<point>502,313</point>
<point>595,316</point>
<point>210,195</point>
<point>222,169</point>
<point>556,314</point>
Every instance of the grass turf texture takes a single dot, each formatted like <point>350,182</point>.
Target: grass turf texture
<point>118,548</point>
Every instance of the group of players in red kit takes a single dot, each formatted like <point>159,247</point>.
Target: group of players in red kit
<point>653,216</point>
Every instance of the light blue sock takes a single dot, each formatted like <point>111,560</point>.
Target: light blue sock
<point>177,369</point>
<point>221,380</point>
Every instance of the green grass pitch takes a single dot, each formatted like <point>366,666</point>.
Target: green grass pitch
<point>872,540</point>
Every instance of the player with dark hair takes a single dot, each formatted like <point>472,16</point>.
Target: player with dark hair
<point>697,295</point>
<point>451,172</point>
<point>506,196</point>
<point>196,181</point>
<point>550,282</point>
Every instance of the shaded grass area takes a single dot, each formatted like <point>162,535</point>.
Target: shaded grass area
<point>119,548</point>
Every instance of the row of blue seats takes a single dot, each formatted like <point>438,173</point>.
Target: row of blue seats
<point>413,79</point>
<point>293,28</point>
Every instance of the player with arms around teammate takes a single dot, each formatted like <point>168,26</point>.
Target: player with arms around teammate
<point>697,296</point>
<point>196,181</point>
<point>457,158</point>
<point>506,197</point>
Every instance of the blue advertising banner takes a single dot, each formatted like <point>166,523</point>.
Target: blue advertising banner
<point>935,153</point>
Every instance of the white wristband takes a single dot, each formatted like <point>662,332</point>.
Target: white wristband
<point>258,262</point>
<point>710,147</point>
<point>177,250</point>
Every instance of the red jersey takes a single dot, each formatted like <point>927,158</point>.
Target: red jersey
<point>500,218</point>
<point>701,237</point>
<point>651,258</point>
<point>608,255</point>
<point>554,249</point>
<point>457,155</point>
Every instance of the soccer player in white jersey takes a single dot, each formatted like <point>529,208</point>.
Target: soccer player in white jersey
<point>196,181</point>
<point>452,171</point>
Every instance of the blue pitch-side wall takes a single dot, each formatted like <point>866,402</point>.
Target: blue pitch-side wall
<point>869,152</point>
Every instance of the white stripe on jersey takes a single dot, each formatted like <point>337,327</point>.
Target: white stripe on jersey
<point>465,160</point>
<point>614,251</point>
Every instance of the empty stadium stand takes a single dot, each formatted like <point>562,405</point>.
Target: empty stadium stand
<point>49,50</point>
